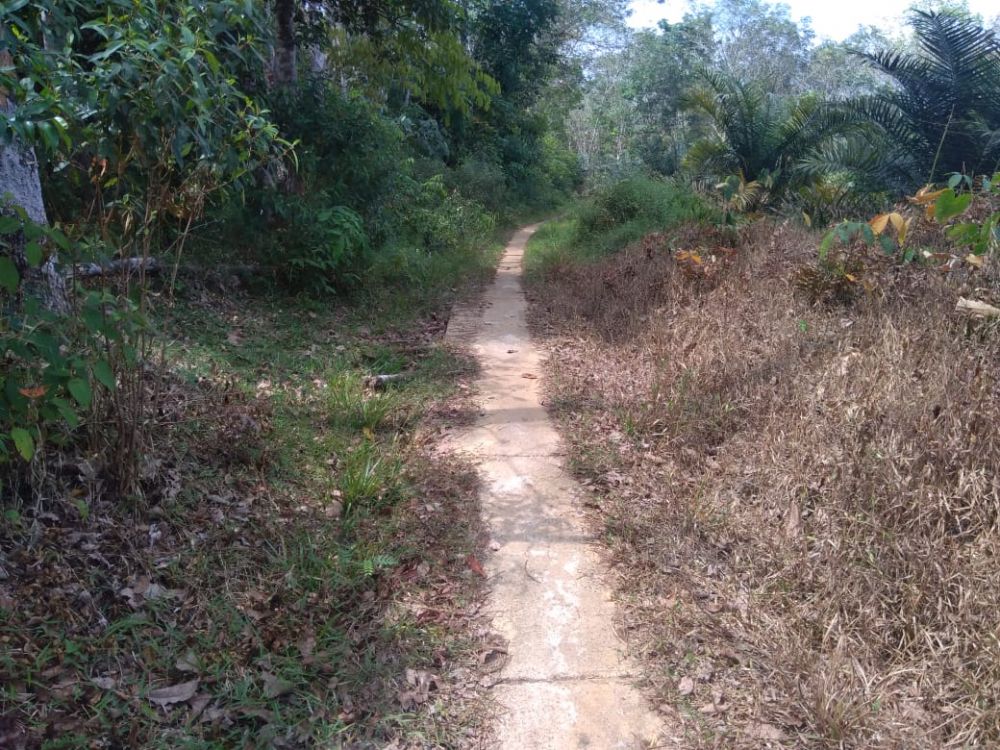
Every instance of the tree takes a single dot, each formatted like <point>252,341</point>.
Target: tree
<point>758,136</point>
<point>21,189</point>
<point>835,70</point>
<point>943,110</point>
<point>412,47</point>
<point>286,67</point>
<point>760,43</point>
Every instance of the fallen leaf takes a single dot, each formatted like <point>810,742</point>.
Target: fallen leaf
<point>258,713</point>
<point>171,694</point>
<point>306,646</point>
<point>492,657</point>
<point>33,393</point>
<point>793,521</point>
<point>766,732</point>
<point>105,683</point>
<point>188,662</point>
<point>198,704</point>
<point>235,338</point>
<point>420,685</point>
<point>685,686</point>
<point>972,260</point>
<point>475,566</point>
<point>274,686</point>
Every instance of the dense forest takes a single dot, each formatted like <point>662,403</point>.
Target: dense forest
<point>232,232</point>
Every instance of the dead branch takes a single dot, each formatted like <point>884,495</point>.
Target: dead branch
<point>977,308</point>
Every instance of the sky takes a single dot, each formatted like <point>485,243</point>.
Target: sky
<point>832,20</point>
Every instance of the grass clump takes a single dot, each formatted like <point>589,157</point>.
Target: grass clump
<point>613,217</point>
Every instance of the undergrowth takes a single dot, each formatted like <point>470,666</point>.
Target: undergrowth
<point>613,217</point>
<point>295,574</point>
<point>800,490</point>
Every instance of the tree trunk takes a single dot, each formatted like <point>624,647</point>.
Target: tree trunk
<point>286,68</point>
<point>19,177</point>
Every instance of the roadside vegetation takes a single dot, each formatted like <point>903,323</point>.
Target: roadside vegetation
<point>231,236</point>
<point>775,377</point>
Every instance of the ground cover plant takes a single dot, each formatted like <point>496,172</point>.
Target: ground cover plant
<point>793,462</point>
<point>231,234</point>
<point>612,217</point>
<point>296,572</point>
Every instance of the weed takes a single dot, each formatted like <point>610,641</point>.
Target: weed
<point>351,407</point>
<point>368,478</point>
<point>291,610</point>
<point>611,219</point>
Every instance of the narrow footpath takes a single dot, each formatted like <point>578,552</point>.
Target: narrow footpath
<point>567,683</point>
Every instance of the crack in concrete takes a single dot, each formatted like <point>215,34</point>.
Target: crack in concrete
<point>566,678</point>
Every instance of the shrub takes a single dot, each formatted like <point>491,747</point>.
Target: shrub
<point>443,221</point>
<point>345,149</point>
<point>320,249</point>
<point>658,201</point>
<point>480,181</point>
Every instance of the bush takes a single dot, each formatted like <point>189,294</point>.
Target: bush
<point>661,201</point>
<point>481,181</point>
<point>320,249</point>
<point>442,221</point>
<point>627,210</point>
<point>346,149</point>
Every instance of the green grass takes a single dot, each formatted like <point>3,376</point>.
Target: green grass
<point>291,523</point>
<point>612,218</point>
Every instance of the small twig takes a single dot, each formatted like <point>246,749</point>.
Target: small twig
<point>528,573</point>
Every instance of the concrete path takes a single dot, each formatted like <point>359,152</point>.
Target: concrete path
<point>566,683</point>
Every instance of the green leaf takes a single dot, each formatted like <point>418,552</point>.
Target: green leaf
<point>59,238</point>
<point>50,136</point>
<point>826,244</point>
<point>9,225</point>
<point>949,205</point>
<point>34,254</point>
<point>24,443</point>
<point>9,277</point>
<point>954,180</point>
<point>964,234</point>
<point>102,371</point>
<point>93,318</point>
<point>67,411</point>
<point>80,390</point>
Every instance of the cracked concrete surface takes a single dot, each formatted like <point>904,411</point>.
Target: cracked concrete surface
<point>567,681</point>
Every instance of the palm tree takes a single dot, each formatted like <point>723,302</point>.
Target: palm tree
<point>757,137</point>
<point>942,113</point>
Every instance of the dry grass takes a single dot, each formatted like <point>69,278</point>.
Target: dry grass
<point>802,496</point>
